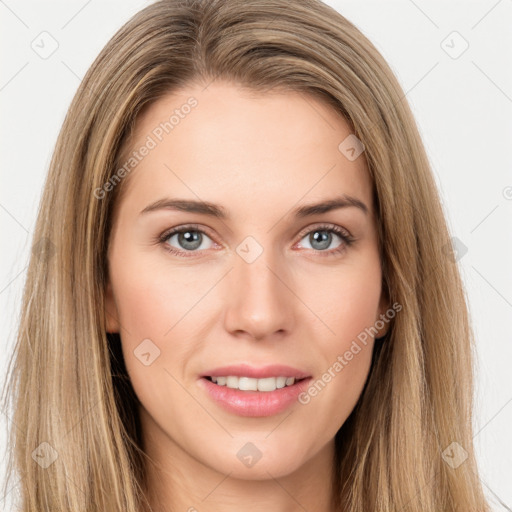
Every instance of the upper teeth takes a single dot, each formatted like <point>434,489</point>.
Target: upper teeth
<point>250,384</point>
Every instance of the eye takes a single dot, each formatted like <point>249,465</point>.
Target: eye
<point>189,239</point>
<point>321,237</point>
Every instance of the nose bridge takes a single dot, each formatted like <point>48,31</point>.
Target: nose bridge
<point>260,301</point>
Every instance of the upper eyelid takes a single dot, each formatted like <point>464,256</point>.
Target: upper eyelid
<point>328,226</point>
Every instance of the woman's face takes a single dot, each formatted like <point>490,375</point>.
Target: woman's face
<point>249,283</point>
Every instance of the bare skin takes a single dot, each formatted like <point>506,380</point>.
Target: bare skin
<point>299,303</point>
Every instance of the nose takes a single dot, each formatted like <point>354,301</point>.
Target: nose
<point>260,302</point>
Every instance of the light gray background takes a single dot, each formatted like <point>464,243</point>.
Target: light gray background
<point>463,107</point>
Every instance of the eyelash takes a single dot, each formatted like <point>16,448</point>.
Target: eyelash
<point>346,237</point>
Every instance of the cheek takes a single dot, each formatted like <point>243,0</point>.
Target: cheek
<point>160,309</point>
<point>152,298</point>
<point>347,309</point>
<point>345,299</point>
<point>155,312</point>
<point>332,396</point>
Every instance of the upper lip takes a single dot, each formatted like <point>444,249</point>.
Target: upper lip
<point>245,370</point>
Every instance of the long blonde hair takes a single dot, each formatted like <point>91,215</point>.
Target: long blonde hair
<point>68,384</point>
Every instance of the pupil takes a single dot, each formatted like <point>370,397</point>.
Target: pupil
<point>323,239</point>
<point>189,239</point>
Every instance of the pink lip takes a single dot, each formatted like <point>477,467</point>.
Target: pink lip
<point>255,403</point>
<point>244,370</point>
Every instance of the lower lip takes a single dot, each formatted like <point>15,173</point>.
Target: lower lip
<point>254,403</point>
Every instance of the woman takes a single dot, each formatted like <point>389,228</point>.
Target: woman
<point>188,341</point>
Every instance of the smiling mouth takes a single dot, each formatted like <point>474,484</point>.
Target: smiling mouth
<point>266,384</point>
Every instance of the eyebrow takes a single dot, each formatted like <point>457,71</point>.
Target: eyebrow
<point>218,211</point>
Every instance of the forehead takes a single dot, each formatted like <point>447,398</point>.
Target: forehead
<point>243,149</point>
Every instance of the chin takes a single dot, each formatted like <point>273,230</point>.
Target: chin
<point>259,460</point>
